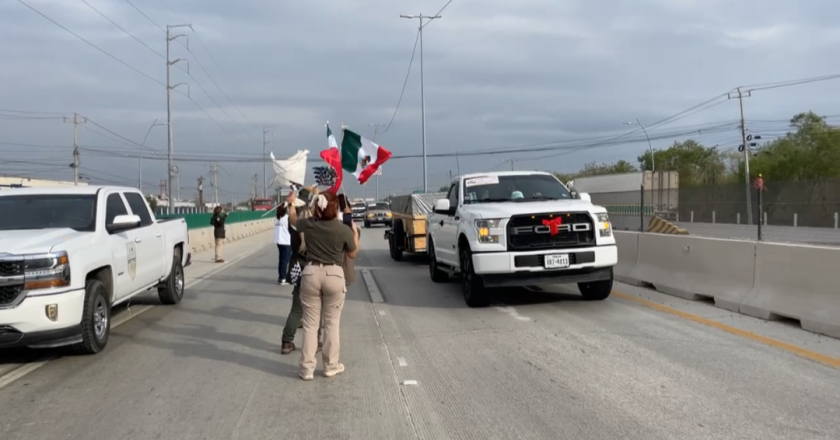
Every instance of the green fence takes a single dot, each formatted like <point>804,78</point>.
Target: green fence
<point>198,221</point>
<point>630,209</point>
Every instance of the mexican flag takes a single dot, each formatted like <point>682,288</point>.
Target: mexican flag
<point>333,158</point>
<point>361,156</point>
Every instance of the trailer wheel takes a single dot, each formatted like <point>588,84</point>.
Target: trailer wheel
<point>397,238</point>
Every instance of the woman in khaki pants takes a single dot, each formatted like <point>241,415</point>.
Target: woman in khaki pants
<point>322,285</point>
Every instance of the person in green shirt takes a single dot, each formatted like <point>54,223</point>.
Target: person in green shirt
<point>322,287</point>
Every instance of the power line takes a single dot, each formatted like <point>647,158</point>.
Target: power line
<point>91,44</point>
<point>438,13</point>
<point>123,29</point>
<point>405,83</point>
<point>206,49</point>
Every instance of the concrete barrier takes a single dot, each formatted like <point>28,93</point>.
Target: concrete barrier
<point>628,255</point>
<point>202,239</point>
<point>798,282</point>
<point>696,268</point>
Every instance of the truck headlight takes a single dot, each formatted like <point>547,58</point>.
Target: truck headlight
<point>370,215</point>
<point>604,227</point>
<point>488,230</point>
<point>46,271</point>
<point>388,214</point>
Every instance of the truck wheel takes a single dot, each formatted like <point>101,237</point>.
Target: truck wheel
<point>171,291</point>
<point>438,276</point>
<point>399,237</point>
<point>96,319</point>
<point>596,290</point>
<point>367,224</point>
<point>472,286</point>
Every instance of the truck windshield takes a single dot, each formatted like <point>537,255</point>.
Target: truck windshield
<point>48,211</point>
<point>358,206</point>
<point>516,188</point>
<point>378,207</point>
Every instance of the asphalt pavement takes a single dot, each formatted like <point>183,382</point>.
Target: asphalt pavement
<point>421,365</point>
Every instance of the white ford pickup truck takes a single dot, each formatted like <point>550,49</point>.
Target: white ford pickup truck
<point>508,229</point>
<point>68,255</point>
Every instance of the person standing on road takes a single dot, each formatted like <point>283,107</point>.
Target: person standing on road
<point>218,221</point>
<point>294,319</point>
<point>349,265</point>
<point>322,287</point>
<point>283,239</point>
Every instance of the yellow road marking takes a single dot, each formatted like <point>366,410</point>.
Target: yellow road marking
<point>799,351</point>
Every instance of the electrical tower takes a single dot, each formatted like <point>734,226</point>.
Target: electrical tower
<point>214,171</point>
<point>76,156</point>
<point>172,169</point>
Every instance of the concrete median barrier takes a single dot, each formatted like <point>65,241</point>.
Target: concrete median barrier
<point>797,282</point>
<point>202,239</point>
<point>696,268</point>
<point>628,255</point>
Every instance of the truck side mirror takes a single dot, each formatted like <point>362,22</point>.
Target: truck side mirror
<point>442,206</point>
<point>123,222</point>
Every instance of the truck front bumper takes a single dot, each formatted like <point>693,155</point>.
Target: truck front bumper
<point>508,269</point>
<point>28,325</point>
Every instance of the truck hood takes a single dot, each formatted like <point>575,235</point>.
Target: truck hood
<point>32,241</point>
<point>505,210</point>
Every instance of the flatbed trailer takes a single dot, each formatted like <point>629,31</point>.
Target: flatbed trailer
<point>408,230</point>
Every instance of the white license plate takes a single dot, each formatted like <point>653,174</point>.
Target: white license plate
<point>556,261</point>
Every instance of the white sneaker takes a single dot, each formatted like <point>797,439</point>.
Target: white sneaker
<point>335,372</point>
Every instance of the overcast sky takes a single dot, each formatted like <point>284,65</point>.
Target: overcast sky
<point>499,75</point>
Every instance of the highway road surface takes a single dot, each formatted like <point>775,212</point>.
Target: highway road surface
<point>421,365</point>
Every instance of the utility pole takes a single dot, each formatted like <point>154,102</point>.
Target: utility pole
<point>265,164</point>
<point>201,193</point>
<point>256,181</point>
<point>214,172</point>
<point>747,153</point>
<point>173,170</point>
<point>76,156</point>
<point>423,92</point>
<point>511,163</point>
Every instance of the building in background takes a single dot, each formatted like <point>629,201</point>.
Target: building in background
<point>28,182</point>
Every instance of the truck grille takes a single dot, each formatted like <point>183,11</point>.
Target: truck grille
<point>11,268</point>
<point>8,294</point>
<point>527,232</point>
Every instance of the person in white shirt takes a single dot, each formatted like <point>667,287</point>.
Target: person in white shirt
<point>284,243</point>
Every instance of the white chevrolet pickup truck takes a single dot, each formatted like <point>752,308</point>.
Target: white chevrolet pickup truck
<point>68,255</point>
<point>508,229</point>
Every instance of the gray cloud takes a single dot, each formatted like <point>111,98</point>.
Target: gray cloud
<point>498,74</point>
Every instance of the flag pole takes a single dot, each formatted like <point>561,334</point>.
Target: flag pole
<point>343,188</point>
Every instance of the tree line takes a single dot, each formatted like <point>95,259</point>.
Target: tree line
<point>810,151</point>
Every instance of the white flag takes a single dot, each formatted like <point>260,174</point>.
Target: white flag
<point>290,171</point>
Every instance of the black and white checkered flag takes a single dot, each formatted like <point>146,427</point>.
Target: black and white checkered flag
<point>325,176</point>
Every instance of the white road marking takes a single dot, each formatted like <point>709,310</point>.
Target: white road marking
<point>409,382</point>
<point>21,371</point>
<point>402,362</point>
<point>513,313</point>
<point>382,312</point>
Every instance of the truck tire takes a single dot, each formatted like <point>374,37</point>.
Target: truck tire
<point>171,291</point>
<point>438,276</point>
<point>96,319</point>
<point>596,290</point>
<point>398,237</point>
<point>472,286</point>
<point>367,224</point>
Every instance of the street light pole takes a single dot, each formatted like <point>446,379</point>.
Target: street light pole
<point>650,146</point>
<point>265,164</point>
<point>142,147</point>
<point>423,92</point>
<point>379,171</point>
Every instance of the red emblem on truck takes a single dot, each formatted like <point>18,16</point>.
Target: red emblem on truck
<point>553,225</point>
